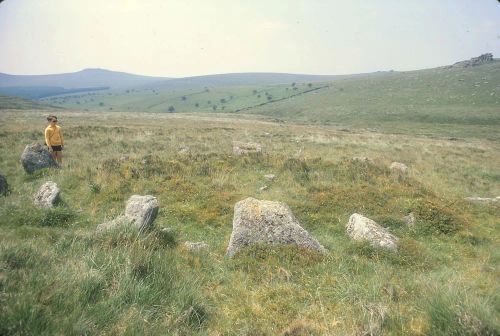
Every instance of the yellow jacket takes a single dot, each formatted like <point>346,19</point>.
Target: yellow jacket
<point>53,136</point>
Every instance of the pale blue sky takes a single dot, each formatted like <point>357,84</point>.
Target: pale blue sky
<point>183,38</point>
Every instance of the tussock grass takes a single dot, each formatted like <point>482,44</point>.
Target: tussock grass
<point>58,276</point>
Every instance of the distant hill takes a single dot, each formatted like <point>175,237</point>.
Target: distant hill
<point>17,103</point>
<point>81,79</point>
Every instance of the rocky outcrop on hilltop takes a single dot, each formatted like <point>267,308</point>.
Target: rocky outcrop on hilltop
<point>484,58</point>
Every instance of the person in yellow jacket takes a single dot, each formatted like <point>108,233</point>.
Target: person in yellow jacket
<point>54,139</point>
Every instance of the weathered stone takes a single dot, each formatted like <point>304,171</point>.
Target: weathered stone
<point>362,228</point>
<point>264,188</point>
<point>36,157</point>
<point>194,247</point>
<point>117,222</point>
<point>269,177</point>
<point>266,222</point>
<point>409,219</point>
<point>399,168</point>
<point>362,159</point>
<point>4,187</point>
<point>142,210</point>
<point>240,148</point>
<point>184,150</point>
<point>140,213</point>
<point>48,195</point>
<point>483,200</point>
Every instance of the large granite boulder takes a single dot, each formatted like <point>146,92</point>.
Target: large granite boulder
<point>266,222</point>
<point>36,157</point>
<point>362,228</point>
<point>47,196</point>
<point>140,212</point>
<point>4,187</point>
<point>240,148</point>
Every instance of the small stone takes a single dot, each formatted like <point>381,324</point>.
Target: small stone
<point>483,200</point>
<point>264,188</point>
<point>195,247</point>
<point>409,219</point>
<point>184,150</point>
<point>48,195</point>
<point>361,159</point>
<point>269,177</point>
<point>241,148</point>
<point>363,228</point>
<point>399,168</point>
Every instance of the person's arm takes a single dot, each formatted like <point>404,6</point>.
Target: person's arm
<point>60,133</point>
<point>47,138</point>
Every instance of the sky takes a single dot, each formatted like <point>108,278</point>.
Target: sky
<point>198,37</point>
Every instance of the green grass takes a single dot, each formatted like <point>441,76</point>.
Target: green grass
<point>57,276</point>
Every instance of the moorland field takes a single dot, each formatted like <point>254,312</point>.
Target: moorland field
<point>58,276</point>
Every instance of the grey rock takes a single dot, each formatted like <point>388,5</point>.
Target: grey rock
<point>409,219</point>
<point>47,196</point>
<point>264,188</point>
<point>36,157</point>
<point>269,177</point>
<point>241,148</point>
<point>483,200</point>
<point>115,223</point>
<point>184,150</point>
<point>364,229</point>
<point>4,187</point>
<point>141,211</point>
<point>399,168</point>
<point>267,222</point>
<point>194,247</point>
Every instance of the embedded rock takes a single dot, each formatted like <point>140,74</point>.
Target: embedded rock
<point>362,228</point>
<point>399,168</point>
<point>483,200</point>
<point>266,222</point>
<point>141,211</point>
<point>48,195</point>
<point>362,159</point>
<point>241,148</point>
<point>194,247</point>
<point>36,157</point>
<point>269,177</point>
<point>409,219</point>
<point>4,187</point>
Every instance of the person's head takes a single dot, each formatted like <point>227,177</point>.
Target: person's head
<point>52,119</point>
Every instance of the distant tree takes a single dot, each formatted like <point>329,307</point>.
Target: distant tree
<point>171,109</point>
<point>341,89</point>
<point>209,102</point>
<point>258,96</point>
<point>231,97</point>
<point>254,92</point>
<point>295,88</point>
<point>223,101</point>
<point>293,84</point>
<point>207,90</point>
<point>309,85</point>
<point>287,89</point>
<point>223,107</point>
<point>269,97</point>
<point>214,107</point>
<point>128,91</point>
<point>101,104</point>
<point>197,105</point>
<point>78,102</point>
<point>184,98</point>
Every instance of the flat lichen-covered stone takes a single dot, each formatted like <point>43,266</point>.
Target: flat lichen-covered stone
<point>267,222</point>
<point>47,196</point>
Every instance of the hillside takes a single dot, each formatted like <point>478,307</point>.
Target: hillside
<point>414,101</point>
<point>16,103</point>
<point>81,79</point>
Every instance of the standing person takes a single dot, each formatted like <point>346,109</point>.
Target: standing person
<point>54,138</point>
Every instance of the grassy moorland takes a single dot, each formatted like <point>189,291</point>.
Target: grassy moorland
<point>57,276</point>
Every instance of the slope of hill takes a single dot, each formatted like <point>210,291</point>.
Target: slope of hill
<point>81,79</point>
<point>16,103</point>
<point>388,101</point>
